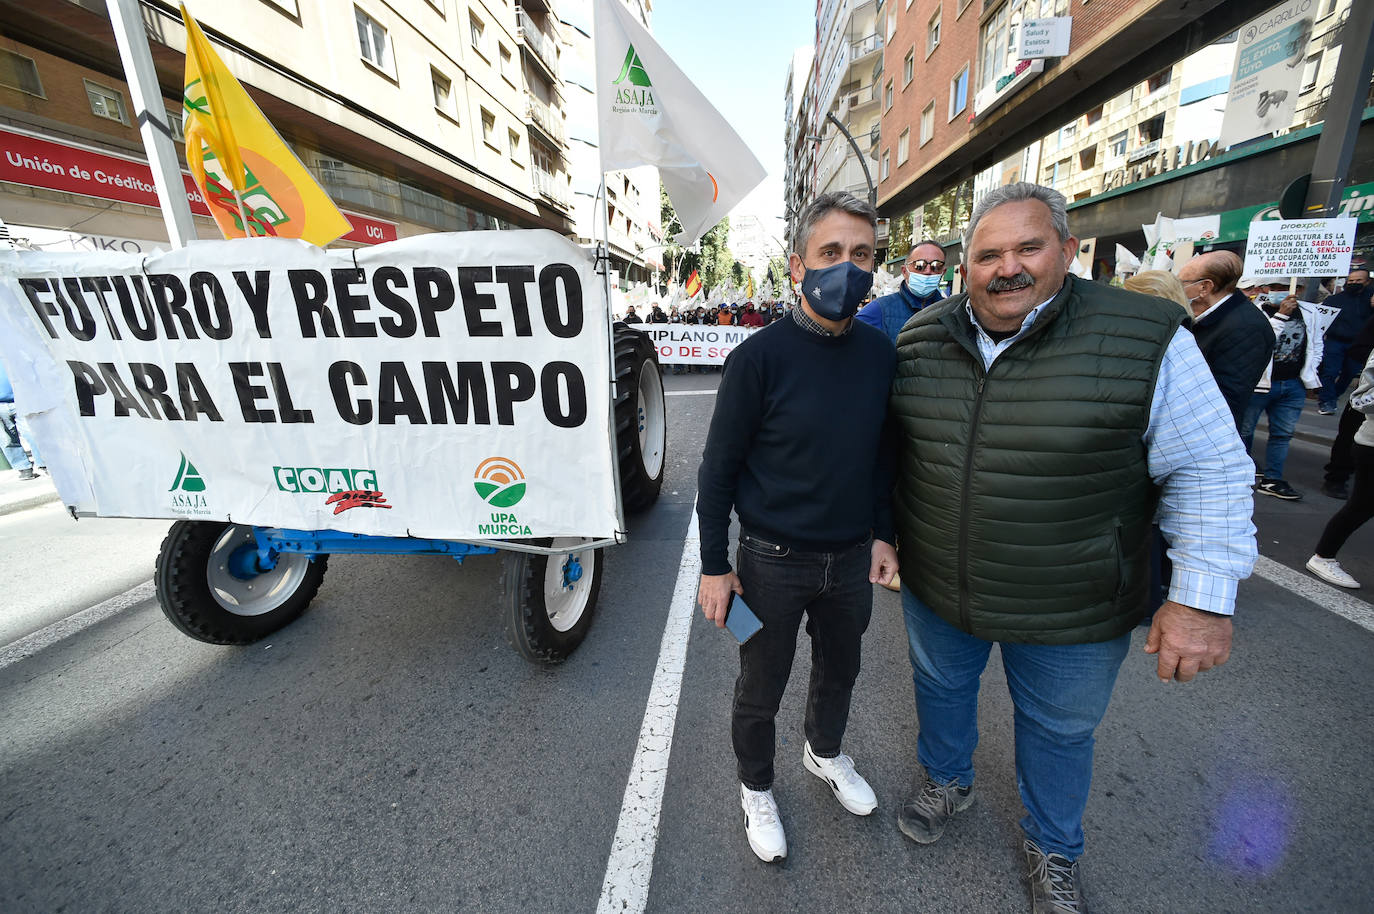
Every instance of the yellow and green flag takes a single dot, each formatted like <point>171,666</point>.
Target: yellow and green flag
<point>242,166</point>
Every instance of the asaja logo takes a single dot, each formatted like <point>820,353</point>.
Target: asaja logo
<point>188,477</point>
<point>634,92</point>
<point>188,490</point>
<point>500,482</point>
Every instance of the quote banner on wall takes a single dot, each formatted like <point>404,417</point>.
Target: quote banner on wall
<point>453,386</point>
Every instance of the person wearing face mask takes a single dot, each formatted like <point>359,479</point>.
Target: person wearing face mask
<point>797,449</point>
<point>1234,336</point>
<point>920,288</point>
<point>1338,369</point>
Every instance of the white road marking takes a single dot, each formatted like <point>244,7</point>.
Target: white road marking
<point>689,393</point>
<point>1324,595</point>
<point>625,889</point>
<point>64,628</point>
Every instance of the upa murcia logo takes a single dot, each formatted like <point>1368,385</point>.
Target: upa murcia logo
<point>188,490</point>
<point>634,93</point>
<point>501,483</point>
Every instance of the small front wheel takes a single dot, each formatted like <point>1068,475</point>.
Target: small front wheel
<point>210,587</point>
<point>550,600</point>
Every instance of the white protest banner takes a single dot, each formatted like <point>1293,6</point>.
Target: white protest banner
<point>1325,315</point>
<point>690,344</point>
<point>1299,247</point>
<point>1267,72</point>
<point>452,386</point>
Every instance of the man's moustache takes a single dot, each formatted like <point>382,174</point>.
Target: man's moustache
<point>1011,283</point>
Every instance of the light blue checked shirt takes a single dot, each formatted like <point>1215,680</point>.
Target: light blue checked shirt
<point>1197,459</point>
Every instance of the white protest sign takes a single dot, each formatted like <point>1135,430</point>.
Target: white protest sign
<point>690,344</point>
<point>1325,315</point>
<point>453,386</point>
<point>1299,247</point>
<point>1039,38</point>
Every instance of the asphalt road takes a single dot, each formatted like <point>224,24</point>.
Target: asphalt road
<point>390,752</point>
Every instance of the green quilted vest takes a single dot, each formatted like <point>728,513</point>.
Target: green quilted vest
<point>1023,501</point>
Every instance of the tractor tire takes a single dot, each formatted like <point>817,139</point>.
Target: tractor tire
<point>641,429</point>
<point>550,600</point>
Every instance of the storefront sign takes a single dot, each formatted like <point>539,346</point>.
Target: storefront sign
<point>37,162</point>
<point>1268,72</point>
<point>367,230</point>
<point>1006,84</point>
<point>1039,38</point>
<point>1299,247</point>
<point>28,237</point>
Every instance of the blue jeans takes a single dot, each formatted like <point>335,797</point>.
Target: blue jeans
<point>1060,693</point>
<point>9,438</point>
<point>1336,372</point>
<point>1282,403</point>
<point>781,585</point>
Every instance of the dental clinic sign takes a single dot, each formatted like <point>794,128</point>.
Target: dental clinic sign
<point>1007,83</point>
<point>1040,38</point>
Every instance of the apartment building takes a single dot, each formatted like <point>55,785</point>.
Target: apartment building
<point>1131,135</point>
<point>632,197</point>
<point>799,170</point>
<point>414,115</point>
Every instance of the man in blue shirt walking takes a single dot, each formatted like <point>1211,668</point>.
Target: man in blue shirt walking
<point>925,264</point>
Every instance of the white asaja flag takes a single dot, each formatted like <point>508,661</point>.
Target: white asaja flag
<point>649,113</point>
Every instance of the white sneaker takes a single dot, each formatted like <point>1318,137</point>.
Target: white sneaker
<point>1330,571</point>
<point>762,825</point>
<point>850,789</point>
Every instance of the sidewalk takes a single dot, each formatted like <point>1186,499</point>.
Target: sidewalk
<point>18,494</point>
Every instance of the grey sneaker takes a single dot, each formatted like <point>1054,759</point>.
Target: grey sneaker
<point>924,816</point>
<point>1054,882</point>
<point>1279,489</point>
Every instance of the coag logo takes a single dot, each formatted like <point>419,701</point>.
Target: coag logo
<point>500,482</point>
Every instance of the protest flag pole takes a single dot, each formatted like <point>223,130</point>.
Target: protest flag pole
<point>149,112</point>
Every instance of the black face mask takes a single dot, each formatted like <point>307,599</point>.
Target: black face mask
<point>1354,288</point>
<point>837,292</point>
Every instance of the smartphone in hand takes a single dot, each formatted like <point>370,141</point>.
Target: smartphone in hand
<point>740,619</point>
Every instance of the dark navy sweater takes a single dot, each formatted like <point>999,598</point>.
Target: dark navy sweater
<point>797,444</point>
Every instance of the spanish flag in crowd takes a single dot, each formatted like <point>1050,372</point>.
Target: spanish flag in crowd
<point>239,161</point>
<point>693,286</point>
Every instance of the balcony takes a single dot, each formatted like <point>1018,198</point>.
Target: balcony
<point>853,102</point>
<point>550,188</point>
<point>546,120</point>
<point>865,46</point>
<point>540,45</point>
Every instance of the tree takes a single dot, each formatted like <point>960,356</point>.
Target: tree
<point>900,239</point>
<point>713,261</point>
<point>778,274</point>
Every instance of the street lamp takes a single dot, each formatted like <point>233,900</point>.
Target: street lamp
<point>863,160</point>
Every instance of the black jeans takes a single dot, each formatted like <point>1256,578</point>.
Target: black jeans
<point>1342,462</point>
<point>833,591</point>
<point>1356,510</point>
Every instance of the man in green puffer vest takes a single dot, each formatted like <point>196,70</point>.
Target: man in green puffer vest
<point>1044,422</point>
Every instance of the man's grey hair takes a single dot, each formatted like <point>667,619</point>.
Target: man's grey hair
<point>1017,193</point>
<point>822,206</point>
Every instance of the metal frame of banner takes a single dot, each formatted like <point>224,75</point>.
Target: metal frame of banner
<point>603,266</point>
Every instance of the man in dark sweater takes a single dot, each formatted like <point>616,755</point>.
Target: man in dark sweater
<point>1234,335</point>
<point>796,449</point>
<point>1340,365</point>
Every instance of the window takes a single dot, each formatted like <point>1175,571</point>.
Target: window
<point>933,33</point>
<point>1116,145</point>
<point>1059,174</point>
<point>1066,134</point>
<point>1152,129</point>
<point>479,28</point>
<point>514,142</point>
<point>175,125</point>
<point>908,67</point>
<point>1158,81</point>
<point>1087,158</point>
<point>1310,68</point>
<point>887,166</point>
<point>372,43</point>
<point>444,101</point>
<point>1328,8</point>
<point>20,72</point>
<point>958,93</point>
<point>105,102</point>
<point>887,97</point>
<point>1094,115</point>
<point>507,68</point>
<point>998,43</point>
<point>438,6</point>
<point>927,123</point>
<point>904,146</point>
<point>891,24</point>
<point>489,129</point>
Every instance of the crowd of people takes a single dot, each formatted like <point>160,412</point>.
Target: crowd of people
<point>745,314</point>
<point>1049,461</point>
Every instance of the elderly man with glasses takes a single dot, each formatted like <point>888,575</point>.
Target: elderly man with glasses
<point>921,273</point>
<point>1234,335</point>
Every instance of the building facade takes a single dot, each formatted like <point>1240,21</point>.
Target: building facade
<point>436,115</point>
